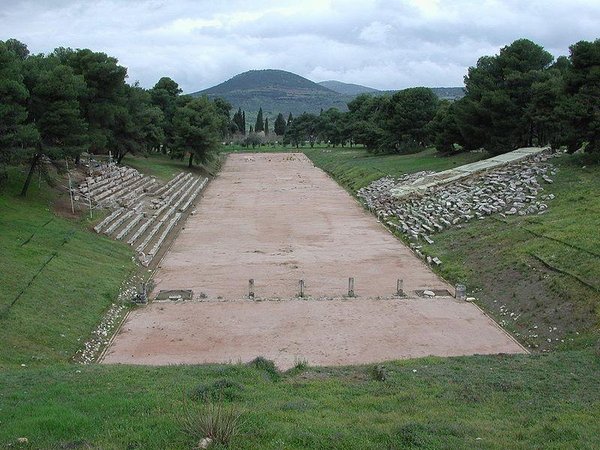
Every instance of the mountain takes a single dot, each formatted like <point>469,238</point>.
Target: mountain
<point>275,91</point>
<point>347,88</point>
<point>278,91</point>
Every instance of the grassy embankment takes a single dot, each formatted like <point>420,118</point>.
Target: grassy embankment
<point>545,400</point>
<point>57,278</point>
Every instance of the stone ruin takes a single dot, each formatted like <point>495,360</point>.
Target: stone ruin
<point>144,212</point>
<point>511,189</point>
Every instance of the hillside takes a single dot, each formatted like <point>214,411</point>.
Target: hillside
<point>275,91</point>
<point>347,88</point>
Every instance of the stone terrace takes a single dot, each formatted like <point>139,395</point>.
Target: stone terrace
<point>144,212</point>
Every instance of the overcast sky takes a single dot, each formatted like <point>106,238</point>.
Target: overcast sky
<point>386,44</point>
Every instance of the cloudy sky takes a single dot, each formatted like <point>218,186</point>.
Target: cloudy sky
<point>385,44</point>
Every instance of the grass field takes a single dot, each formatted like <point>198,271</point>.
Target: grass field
<point>540,266</point>
<point>494,402</point>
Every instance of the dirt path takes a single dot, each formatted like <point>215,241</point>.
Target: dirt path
<point>277,219</point>
<point>321,332</point>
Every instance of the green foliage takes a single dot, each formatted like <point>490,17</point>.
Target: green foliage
<point>239,120</point>
<point>580,108</point>
<point>444,130</point>
<point>267,366</point>
<point>407,115</point>
<point>519,98</point>
<point>493,113</point>
<point>223,109</point>
<point>197,129</point>
<point>279,126</point>
<point>13,106</point>
<point>164,96</point>
<point>303,128</point>
<point>252,139</point>
<point>260,122</point>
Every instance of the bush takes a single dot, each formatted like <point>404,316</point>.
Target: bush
<point>266,365</point>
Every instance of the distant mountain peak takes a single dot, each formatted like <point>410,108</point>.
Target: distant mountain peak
<point>265,79</point>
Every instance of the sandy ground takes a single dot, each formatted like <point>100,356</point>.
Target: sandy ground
<point>278,219</point>
<point>320,332</point>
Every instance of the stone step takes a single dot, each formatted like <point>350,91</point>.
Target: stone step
<point>140,248</point>
<point>170,183</point>
<point>194,195</point>
<point>119,221</point>
<point>164,235</point>
<point>130,226</point>
<point>141,230</point>
<point>107,220</point>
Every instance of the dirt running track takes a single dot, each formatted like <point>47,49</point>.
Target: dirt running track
<point>278,219</point>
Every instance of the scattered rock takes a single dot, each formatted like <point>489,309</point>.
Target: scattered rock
<point>205,443</point>
<point>512,190</point>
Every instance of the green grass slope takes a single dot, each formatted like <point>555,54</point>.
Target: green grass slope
<point>57,279</point>
<point>356,168</point>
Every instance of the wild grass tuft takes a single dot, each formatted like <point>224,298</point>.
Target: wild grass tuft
<point>214,420</point>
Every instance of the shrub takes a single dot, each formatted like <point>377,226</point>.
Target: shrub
<point>266,365</point>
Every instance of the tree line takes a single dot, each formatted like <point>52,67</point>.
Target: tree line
<point>62,104</point>
<point>520,97</point>
<point>68,102</point>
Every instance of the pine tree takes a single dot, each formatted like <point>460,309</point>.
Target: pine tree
<point>266,126</point>
<point>260,123</point>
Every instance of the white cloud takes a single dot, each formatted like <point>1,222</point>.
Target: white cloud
<point>386,44</point>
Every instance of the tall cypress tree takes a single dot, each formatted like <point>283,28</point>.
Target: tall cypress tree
<point>260,122</point>
<point>266,126</point>
<point>290,119</point>
<point>238,119</point>
<point>244,123</point>
<point>279,126</point>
